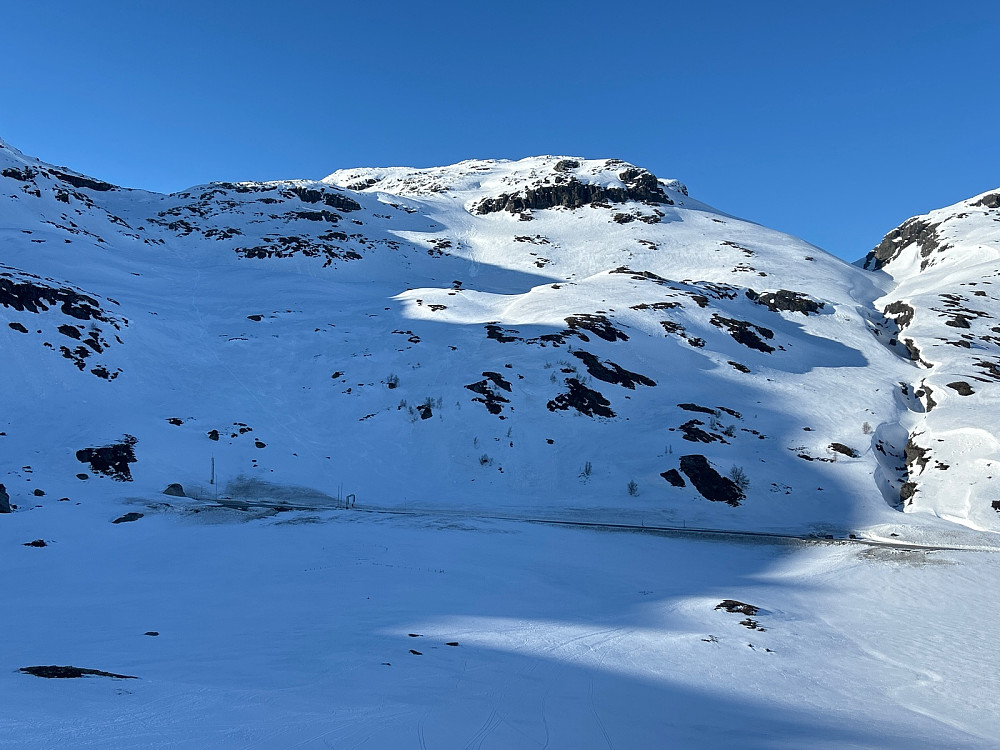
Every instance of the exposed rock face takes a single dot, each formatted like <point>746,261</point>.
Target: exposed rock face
<point>709,482</point>
<point>990,200</point>
<point>786,300</point>
<point>963,388</point>
<point>111,460</point>
<point>845,450</point>
<point>4,500</point>
<point>900,312</point>
<point>569,192</point>
<point>585,400</point>
<point>746,333</point>
<point>674,478</point>
<point>609,372</point>
<point>915,230</point>
<point>36,296</point>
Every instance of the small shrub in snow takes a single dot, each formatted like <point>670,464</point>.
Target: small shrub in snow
<point>485,460</point>
<point>392,381</point>
<point>740,478</point>
<point>633,488</point>
<point>866,429</point>
<point>587,469</point>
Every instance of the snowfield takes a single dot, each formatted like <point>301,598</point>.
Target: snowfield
<point>293,630</point>
<point>197,384</point>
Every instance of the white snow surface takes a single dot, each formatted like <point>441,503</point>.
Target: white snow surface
<point>443,342</point>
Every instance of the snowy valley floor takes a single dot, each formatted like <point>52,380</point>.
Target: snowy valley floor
<point>294,631</point>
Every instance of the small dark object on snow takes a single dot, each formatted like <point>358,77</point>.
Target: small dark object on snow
<point>451,643</point>
<point>36,543</point>
<point>152,632</point>
<point>844,449</point>
<point>38,493</point>
<point>415,653</point>
<point>174,489</point>
<point>128,517</point>
<point>732,605</point>
<point>53,671</point>
<point>414,635</point>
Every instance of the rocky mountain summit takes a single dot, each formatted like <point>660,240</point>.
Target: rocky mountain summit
<point>556,336</point>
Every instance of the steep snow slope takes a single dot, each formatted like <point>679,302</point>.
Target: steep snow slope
<point>946,306</point>
<point>552,336</point>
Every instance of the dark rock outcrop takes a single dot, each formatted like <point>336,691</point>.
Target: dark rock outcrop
<point>175,490</point>
<point>915,230</point>
<point>610,372</point>
<point>744,332</point>
<point>128,518</point>
<point>899,312</point>
<point>111,460</point>
<point>569,192</point>
<point>963,388</point>
<point>585,400</point>
<point>844,450</point>
<point>709,483</point>
<point>54,672</point>
<point>787,301</point>
<point>674,477</point>
<point>4,500</point>
<point>990,200</point>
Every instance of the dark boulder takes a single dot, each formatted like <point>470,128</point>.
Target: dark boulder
<point>674,477</point>
<point>963,388</point>
<point>174,489</point>
<point>712,485</point>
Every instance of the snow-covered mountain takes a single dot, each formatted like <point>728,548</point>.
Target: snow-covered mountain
<point>555,336</point>
<point>945,304</point>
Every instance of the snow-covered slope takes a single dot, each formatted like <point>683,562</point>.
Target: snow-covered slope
<point>553,336</point>
<point>946,305</point>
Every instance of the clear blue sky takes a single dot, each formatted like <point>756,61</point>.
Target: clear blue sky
<point>832,121</point>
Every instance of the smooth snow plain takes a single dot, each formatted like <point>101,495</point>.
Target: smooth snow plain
<point>292,630</point>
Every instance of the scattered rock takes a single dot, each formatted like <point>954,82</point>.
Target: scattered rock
<point>128,518</point>
<point>36,543</point>
<point>152,632</point>
<point>174,489</point>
